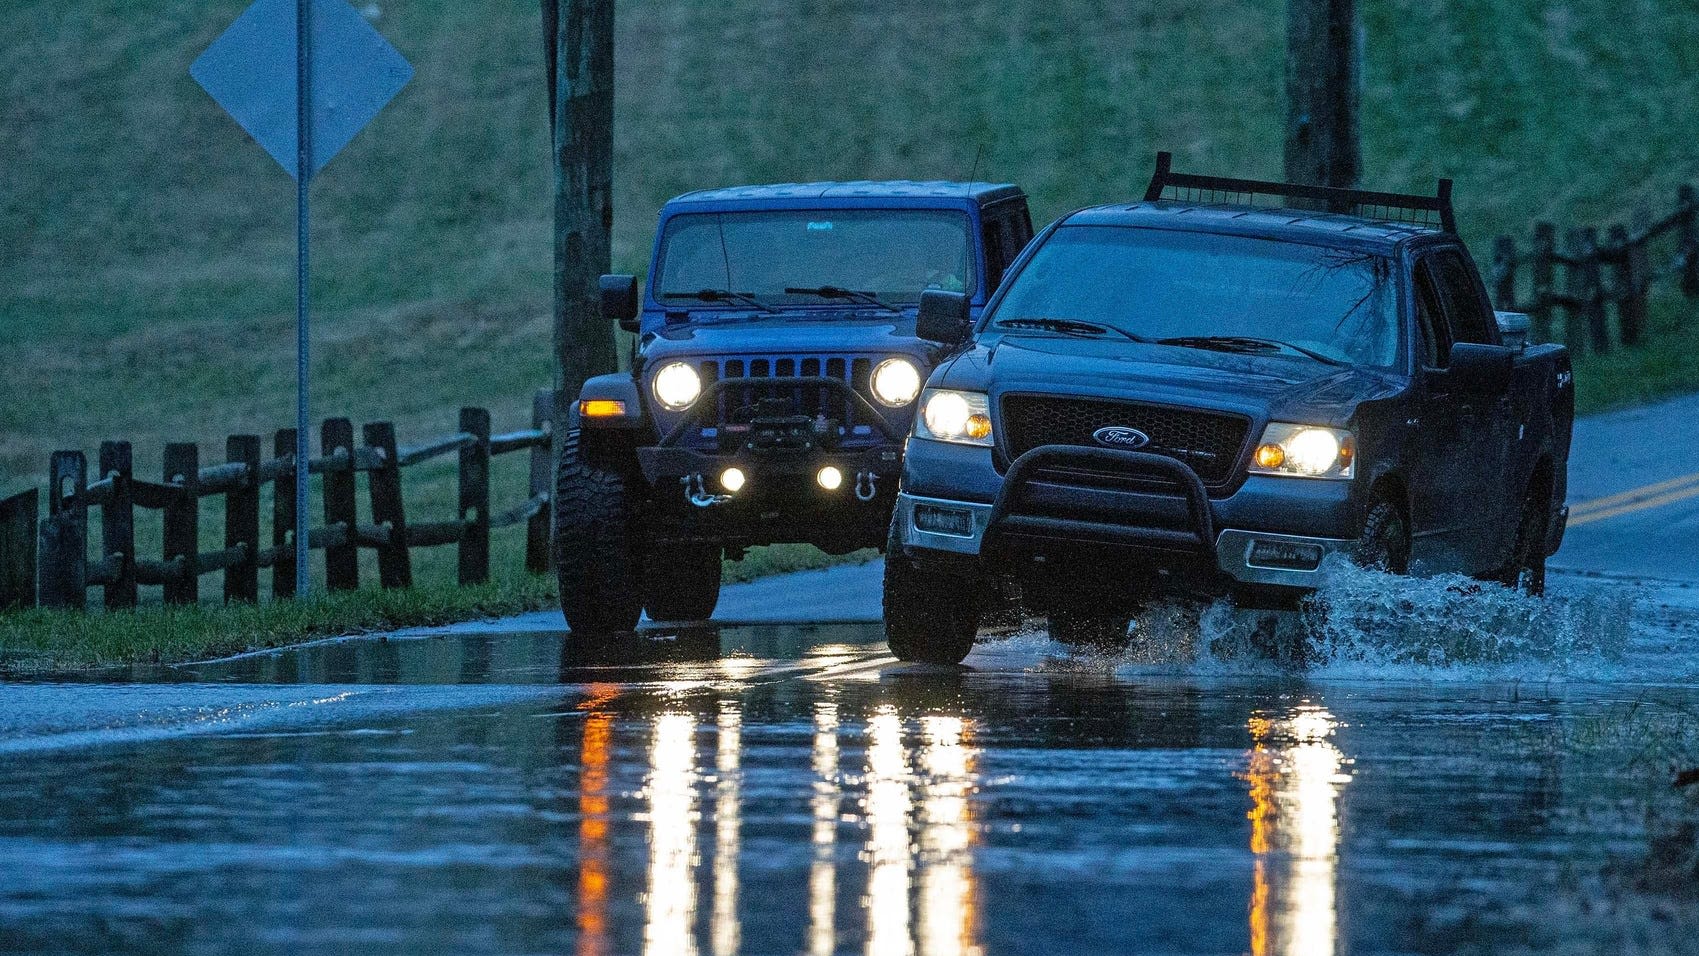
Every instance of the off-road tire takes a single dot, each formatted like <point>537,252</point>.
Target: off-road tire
<point>1384,544</point>
<point>931,616</point>
<point>1526,569</point>
<point>1089,631</point>
<point>683,584</point>
<point>596,560</point>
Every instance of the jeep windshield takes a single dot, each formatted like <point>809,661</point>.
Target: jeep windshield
<point>1208,291</point>
<point>869,258</point>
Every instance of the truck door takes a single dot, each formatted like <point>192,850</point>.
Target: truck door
<point>1438,510</point>
<point>1480,420</point>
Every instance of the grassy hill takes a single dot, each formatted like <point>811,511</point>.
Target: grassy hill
<point>146,245</point>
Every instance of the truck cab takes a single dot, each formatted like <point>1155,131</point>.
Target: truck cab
<point>1186,395</point>
<point>773,380</point>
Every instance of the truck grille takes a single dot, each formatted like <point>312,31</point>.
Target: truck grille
<point>1209,442</point>
<point>735,404</point>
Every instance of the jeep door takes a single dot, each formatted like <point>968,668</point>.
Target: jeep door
<point>1460,471</point>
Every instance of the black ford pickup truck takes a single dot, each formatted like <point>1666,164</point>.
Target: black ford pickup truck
<point>1186,394</point>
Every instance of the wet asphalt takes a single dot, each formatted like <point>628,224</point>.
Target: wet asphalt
<point>1468,773</point>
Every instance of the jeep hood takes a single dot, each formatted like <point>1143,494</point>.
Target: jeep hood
<point>1279,387</point>
<point>789,334</point>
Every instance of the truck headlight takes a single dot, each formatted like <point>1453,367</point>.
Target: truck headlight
<point>677,386</point>
<point>896,382</point>
<point>1305,451</point>
<point>949,415</point>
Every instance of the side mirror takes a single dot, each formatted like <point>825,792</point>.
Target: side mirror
<point>619,300</point>
<point>943,317</point>
<point>1480,369</point>
<point>1513,328</point>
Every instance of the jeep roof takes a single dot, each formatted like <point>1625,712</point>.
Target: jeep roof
<point>903,192</point>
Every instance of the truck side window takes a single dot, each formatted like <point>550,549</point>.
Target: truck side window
<point>996,258</point>
<point>1461,296</point>
<point>1434,343</point>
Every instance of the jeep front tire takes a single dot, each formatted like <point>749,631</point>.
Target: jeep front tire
<point>596,561</point>
<point>931,615</point>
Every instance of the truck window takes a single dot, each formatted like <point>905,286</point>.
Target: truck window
<point>1434,345</point>
<point>1461,296</point>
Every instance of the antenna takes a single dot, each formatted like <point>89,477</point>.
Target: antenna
<point>975,170</point>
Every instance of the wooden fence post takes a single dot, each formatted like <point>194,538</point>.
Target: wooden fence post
<point>242,521</point>
<point>1593,305</point>
<point>1627,285</point>
<point>341,561</point>
<point>1544,269</point>
<point>182,524</point>
<point>395,565</point>
<point>475,497</point>
<point>1687,228</point>
<point>17,550</point>
<point>542,483</point>
<point>1504,274</point>
<point>283,518</point>
<point>64,538</point>
<point>118,524</point>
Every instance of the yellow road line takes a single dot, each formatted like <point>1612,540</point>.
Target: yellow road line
<point>1632,495</point>
<point>1642,505</point>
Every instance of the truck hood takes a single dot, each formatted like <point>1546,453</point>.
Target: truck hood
<point>1263,387</point>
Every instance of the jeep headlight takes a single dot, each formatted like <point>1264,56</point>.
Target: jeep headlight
<point>949,415</point>
<point>896,382</point>
<point>1305,451</point>
<point>677,386</point>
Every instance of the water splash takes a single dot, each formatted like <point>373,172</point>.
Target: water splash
<point>1369,625</point>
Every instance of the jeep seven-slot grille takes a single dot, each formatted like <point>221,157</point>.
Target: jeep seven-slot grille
<point>1210,442</point>
<point>738,402</point>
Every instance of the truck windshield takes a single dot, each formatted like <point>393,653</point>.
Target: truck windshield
<point>892,255</point>
<point>1204,290</point>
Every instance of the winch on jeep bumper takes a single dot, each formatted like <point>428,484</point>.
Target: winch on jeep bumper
<point>1179,396</point>
<point>773,382</point>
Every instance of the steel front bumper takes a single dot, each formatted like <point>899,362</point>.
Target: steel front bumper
<point>1188,535</point>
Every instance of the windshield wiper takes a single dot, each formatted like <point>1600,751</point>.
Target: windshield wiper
<point>1063,327</point>
<point>721,295</point>
<point>1246,343</point>
<point>839,292</point>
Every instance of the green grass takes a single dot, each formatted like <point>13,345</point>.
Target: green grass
<point>49,641</point>
<point>146,245</point>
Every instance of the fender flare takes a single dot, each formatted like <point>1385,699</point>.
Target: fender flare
<point>618,387</point>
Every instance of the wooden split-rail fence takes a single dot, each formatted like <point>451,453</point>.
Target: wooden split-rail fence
<point>52,567</point>
<point>1586,275</point>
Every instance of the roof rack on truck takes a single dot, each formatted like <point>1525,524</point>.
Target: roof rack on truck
<point>1389,207</point>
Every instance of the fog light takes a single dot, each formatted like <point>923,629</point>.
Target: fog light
<point>830,478</point>
<point>732,479</point>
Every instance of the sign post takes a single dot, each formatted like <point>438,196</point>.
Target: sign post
<point>303,77</point>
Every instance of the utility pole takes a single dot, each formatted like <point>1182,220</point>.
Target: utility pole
<point>578,38</point>
<point>1324,82</point>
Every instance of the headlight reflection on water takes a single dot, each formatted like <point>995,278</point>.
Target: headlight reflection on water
<point>1295,775</point>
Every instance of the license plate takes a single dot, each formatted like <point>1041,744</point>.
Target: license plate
<point>1285,555</point>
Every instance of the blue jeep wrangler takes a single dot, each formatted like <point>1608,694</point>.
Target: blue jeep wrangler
<point>1199,393</point>
<point>772,383</point>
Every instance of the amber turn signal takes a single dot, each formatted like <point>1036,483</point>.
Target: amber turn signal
<point>978,426</point>
<point>1270,456</point>
<point>601,408</point>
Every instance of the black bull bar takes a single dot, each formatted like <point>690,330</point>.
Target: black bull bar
<point>1004,520</point>
<point>709,399</point>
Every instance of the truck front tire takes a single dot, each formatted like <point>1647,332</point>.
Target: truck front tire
<point>1526,570</point>
<point>931,615</point>
<point>1384,544</point>
<point>683,584</point>
<point>596,562</point>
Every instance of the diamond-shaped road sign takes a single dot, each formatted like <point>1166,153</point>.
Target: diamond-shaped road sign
<point>250,71</point>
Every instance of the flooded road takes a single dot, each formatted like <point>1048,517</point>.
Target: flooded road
<point>787,788</point>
